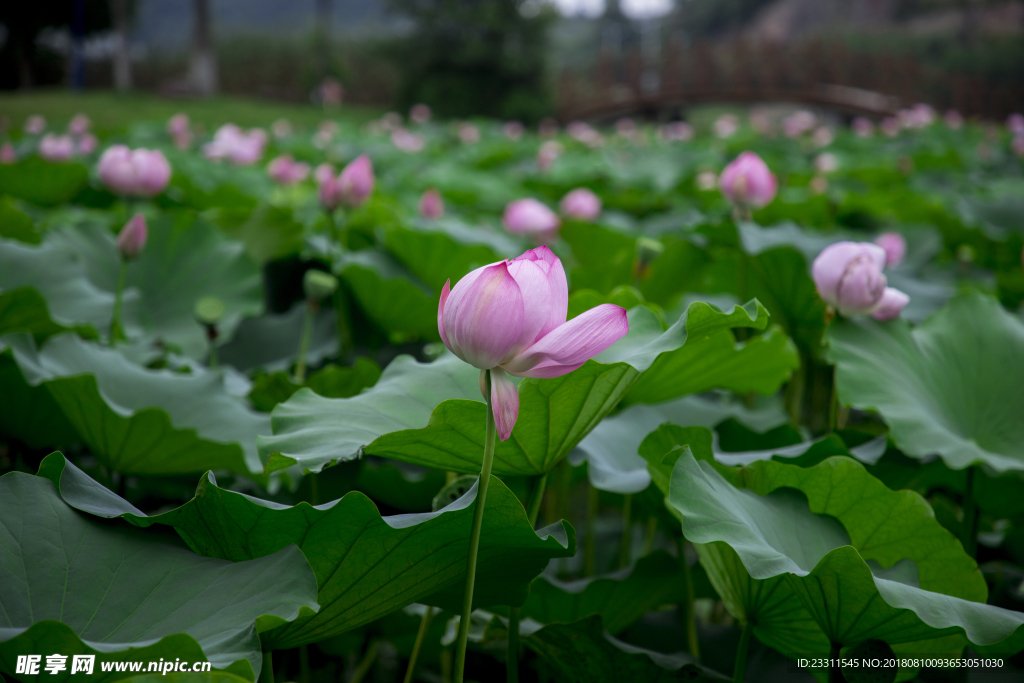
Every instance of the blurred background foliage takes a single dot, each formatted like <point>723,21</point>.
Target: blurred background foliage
<point>510,58</point>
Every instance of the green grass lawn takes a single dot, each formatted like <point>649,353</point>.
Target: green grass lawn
<point>111,112</point>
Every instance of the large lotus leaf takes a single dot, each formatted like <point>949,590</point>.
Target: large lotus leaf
<point>446,249</point>
<point>583,652</point>
<point>45,288</point>
<point>867,562</point>
<point>951,386</point>
<point>268,232</point>
<point>41,182</point>
<point>31,414</point>
<point>554,414</point>
<point>184,260</point>
<point>366,565</point>
<point>74,584</point>
<point>140,421</point>
<point>271,341</point>
<point>394,299</point>
<point>15,224</point>
<point>620,599</point>
<point>605,256</point>
<point>760,366</point>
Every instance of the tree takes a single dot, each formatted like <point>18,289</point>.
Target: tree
<point>203,69</point>
<point>476,57</point>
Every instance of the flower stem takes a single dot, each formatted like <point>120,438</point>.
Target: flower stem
<point>739,671</point>
<point>536,496</point>
<point>474,537</point>
<point>589,541</point>
<point>267,670</point>
<point>364,666</point>
<point>969,534</point>
<point>420,635</point>
<point>627,531</point>
<point>304,664</point>
<point>691,617</point>
<point>116,332</point>
<point>652,530</point>
<point>307,336</point>
<point>512,654</point>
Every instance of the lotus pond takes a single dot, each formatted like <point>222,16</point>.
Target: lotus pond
<point>755,423</point>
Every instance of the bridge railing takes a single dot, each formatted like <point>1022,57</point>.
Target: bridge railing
<point>819,73</point>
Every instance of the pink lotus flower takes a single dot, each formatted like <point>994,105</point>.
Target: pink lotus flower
<point>747,182</point>
<point>420,113</point>
<point>826,163</point>
<point>284,170</point>
<point>79,124</point>
<point>530,217</point>
<point>1017,145</point>
<point>1015,123</point>
<point>87,144</point>
<point>954,119</point>
<point>178,124</point>
<point>243,148</point>
<point>848,276</point>
<point>513,130</point>
<point>408,142</point>
<point>34,125</point>
<point>56,148</point>
<point>895,247</point>
<point>798,123</point>
<point>132,238</point>
<point>706,181</point>
<point>356,181</point>
<point>549,151</point>
<point>7,154</point>
<point>138,173</point>
<point>890,126</point>
<point>281,128</point>
<point>862,127</point>
<point>431,204</point>
<point>677,131</point>
<point>510,318</point>
<point>469,134</point>
<point>581,204</point>
<point>726,125</point>
<point>323,173</point>
<point>822,136</point>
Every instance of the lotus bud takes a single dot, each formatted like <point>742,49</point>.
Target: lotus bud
<point>747,182</point>
<point>132,238</point>
<point>954,119</point>
<point>469,134</point>
<point>355,184</point>
<point>848,276</point>
<point>329,193</point>
<point>1015,123</point>
<point>56,148</point>
<point>79,124</point>
<point>318,285</point>
<point>530,217</point>
<point>895,248</point>
<point>510,318</point>
<point>863,128</point>
<point>178,125</point>
<point>87,144</point>
<point>647,250</point>
<point>323,172</point>
<point>890,126</point>
<point>513,130</point>
<point>706,181</point>
<point>407,141</point>
<point>7,154</point>
<point>891,305</point>
<point>34,125</point>
<point>431,204</point>
<point>726,125</point>
<point>581,204</point>
<point>826,163</point>
<point>284,170</point>
<point>420,113</point>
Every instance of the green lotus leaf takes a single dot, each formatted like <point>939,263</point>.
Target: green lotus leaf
<point>184,260</point>
<point>620,598</point>
<point>75,584</point>
<point>867,563</point>
<point>583,652</point>
<point>271,341</point>
<point>16,225</point>
<point>135,420</point>
<point>390,296</point>
<point>268,232</point>
<point>41,182</point>
<point>951,386</point>
<point>366,565</point>
<point>398,419</point>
